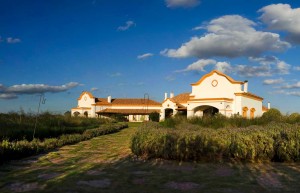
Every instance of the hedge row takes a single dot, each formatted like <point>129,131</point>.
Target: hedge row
<point>20,149</point>
<point>273,142</point>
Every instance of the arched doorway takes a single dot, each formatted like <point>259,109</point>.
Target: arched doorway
<point>76,114</point>
<point>169,113</point>
<point>86,114</point>
<point>205,111</point>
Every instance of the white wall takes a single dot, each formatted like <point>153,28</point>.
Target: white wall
<point>224,88</point>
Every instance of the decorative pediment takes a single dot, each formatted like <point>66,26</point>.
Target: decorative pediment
<point>215,83</point>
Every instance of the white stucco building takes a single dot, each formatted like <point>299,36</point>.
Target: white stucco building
<point>134,109</point>
<point>214,93</point>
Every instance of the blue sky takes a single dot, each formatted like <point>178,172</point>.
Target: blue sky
<point>129,48</point>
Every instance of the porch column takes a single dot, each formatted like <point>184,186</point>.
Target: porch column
<point>190,113</point>
<point>162,115</point>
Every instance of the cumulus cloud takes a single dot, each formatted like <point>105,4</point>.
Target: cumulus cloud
<point>11,40</point>
<point>268,66</point>
<point>15,90</point>
<point>253,71</point>
<point>273,81</point>
<point>229,36</point>
<point>127,25</point>
<point>198,65</point>
<point>282,17</point>
<point>224,67</point>
<point>182,3</point>
<point>144,56</point>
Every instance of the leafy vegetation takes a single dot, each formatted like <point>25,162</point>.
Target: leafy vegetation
<point>154,116</point>
<point>23,148</point>
<point>272,137</point>
<point>19,126</point>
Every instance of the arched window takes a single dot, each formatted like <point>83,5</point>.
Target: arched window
<point>245,111</point>
<point>252,111</point>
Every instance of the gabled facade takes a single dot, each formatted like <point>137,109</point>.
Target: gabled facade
<point>215,93</point>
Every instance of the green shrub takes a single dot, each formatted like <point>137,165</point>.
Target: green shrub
<point>272,115</point>
<point>154,116</point>
<point>272,142</point>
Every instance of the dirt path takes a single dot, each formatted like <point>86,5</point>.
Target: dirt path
<point>105,164</point>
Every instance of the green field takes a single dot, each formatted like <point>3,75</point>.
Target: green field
<point>106,164</point>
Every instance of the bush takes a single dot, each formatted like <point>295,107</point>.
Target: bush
<point>272,115</point>
<point>273,142</point>
<point>154,116</point>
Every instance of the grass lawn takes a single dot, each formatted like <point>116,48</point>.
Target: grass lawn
<point>105,164</point>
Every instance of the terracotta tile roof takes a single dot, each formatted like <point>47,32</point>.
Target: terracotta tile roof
<point>181,98</point>
<point>127,102</point>
<point>249,95</point>
<point>264,108</point>
<point>102,101</point>
<point>128,111</point>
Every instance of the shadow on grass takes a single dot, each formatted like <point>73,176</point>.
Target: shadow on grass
<point>130,174</point>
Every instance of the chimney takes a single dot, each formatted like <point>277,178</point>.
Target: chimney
<point>269,105</point>
<point>171,95</point>
<point>166,95</point>
<point>109,99</point>
<point>246,86</point>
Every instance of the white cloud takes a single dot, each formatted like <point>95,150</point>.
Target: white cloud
<point>117,74</point>
<point>273,81</point>
<point>297,68</point>
<point>229,36</point>
<point>253,71</point>
<point>127,25</point>
<point>282,68</point>
<point>8,96</point>
<point>144,56</point>
<point>39,88</point>
<point>11,40</point>
<point>282,17</point>
<point>269,65</point>
<point>94,89</point>
<point>182,3</point>
<point>265,60</point>
<point>224,67</point>
<point>294,93</point>
<point>170,78</point>
<point>15,90</point>
<point>291,86</point>
<point>198,65</point>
